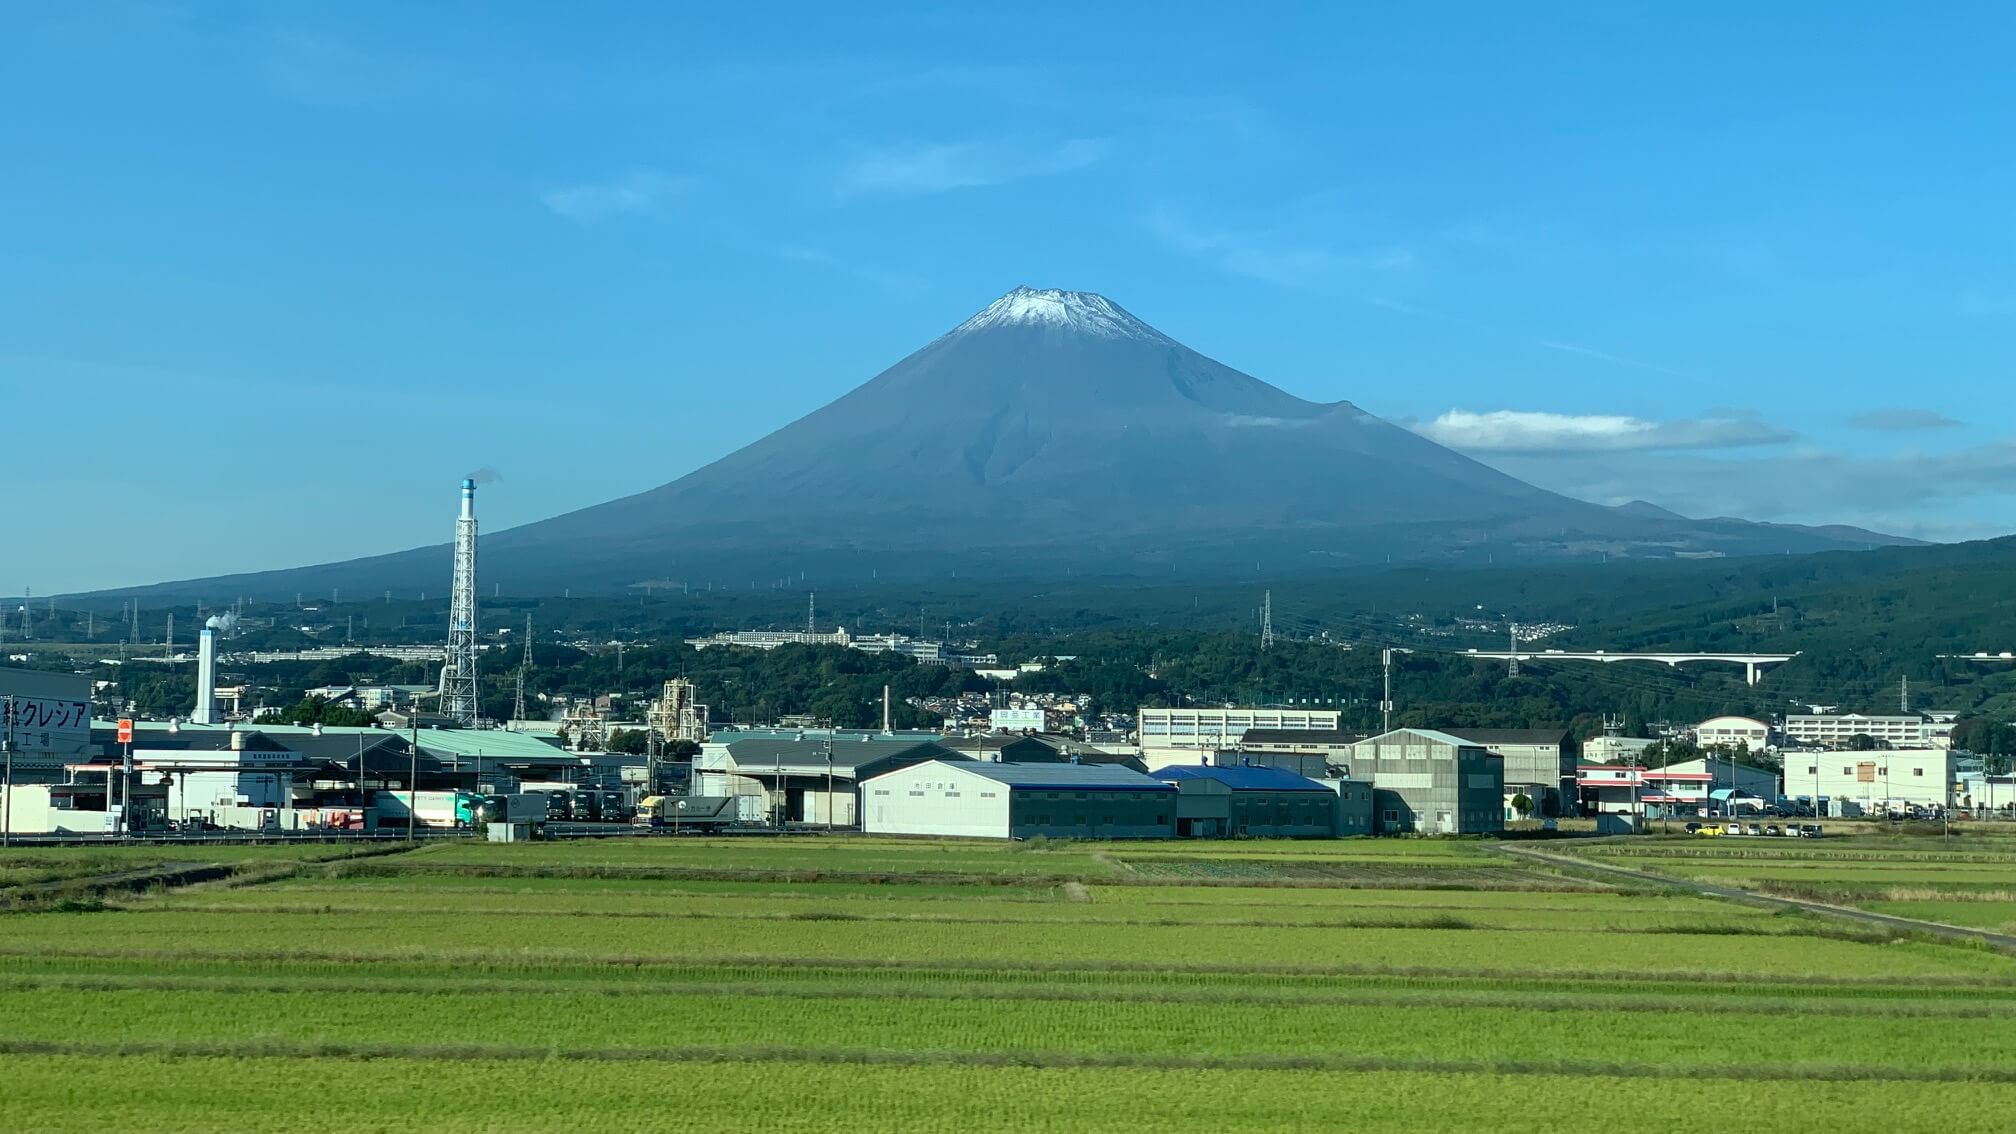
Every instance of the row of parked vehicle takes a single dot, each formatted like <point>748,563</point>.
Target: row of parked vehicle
<point>1771,830</point>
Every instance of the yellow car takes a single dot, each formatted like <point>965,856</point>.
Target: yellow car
<point>1709,831</point>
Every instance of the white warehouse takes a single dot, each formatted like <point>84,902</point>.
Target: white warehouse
<point>994,800</point>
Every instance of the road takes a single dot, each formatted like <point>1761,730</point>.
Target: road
<point>2001,941</point>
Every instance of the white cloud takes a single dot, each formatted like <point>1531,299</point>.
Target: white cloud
<point>965,165</point>
<point>1927,495</point>
<point>1902,420</point>
<point>637,192</point>
<point>1525,431</point>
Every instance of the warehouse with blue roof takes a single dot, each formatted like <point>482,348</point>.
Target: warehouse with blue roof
<point>1265,802</point>
<point>1003,800</point>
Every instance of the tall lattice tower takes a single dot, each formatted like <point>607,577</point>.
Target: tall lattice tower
<point>461,696</point>
<point>1267,621</point>
<point>524,667</point>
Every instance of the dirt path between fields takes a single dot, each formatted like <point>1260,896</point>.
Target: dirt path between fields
<point>2001,941</point>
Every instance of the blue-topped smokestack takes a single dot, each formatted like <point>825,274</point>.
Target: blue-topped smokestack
<point>468,499</point>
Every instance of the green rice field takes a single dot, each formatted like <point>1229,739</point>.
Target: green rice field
<point>843,983</point>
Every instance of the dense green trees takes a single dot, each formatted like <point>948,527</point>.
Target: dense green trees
<point>318,710</point>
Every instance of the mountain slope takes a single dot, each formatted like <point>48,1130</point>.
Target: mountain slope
<point>1054,429</point>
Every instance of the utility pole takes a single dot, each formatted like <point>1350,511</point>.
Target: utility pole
<point>1512,666</point>
<point>811,612</point>
<point>1904,694</point>
<point>1267,620</point>
<point>1386,701</point>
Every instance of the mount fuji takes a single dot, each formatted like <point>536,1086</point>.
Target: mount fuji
<point>1054,430</point>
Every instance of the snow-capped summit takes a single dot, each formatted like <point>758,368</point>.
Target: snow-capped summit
<point>1082,311</point>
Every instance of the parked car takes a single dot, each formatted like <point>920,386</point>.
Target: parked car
<point>1707,830</point>
<point>1693,828</point>
<point>1809,830</point>
<point>1772,829</point>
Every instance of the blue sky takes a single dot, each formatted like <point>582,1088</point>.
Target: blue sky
<point>273,276</point>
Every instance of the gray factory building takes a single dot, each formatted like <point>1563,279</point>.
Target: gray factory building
<point>806,775</point>
<point>1539,762</point>
<point>1431,783</point>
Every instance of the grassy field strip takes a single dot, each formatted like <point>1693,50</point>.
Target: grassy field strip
<point>1585,999</point>
<point>171,1095</point>
<point>1101,893</point>
<point>290,900</point>
<point>1784,1075</point>
<point>1228,978</point>
<point>176,932</point>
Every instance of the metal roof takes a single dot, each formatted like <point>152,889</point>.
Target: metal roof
<point>1299,736</point>
<point>848,751</point>
<point>1510,735</point>
<point>1061,777</point>
<point>1428,734</point>
<point>1242,777</point>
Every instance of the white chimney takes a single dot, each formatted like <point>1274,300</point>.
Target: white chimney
<point>206,676</point>
<point>315,729</point>
<point>237,741</point>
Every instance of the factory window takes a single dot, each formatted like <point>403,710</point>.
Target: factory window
<point>1811,770</point>
<point>1107,820</point>
<point>917,792</point>
<point>1917,771</point>
<point>1080,795</point>
<point>1056,795</point>
<point>1161,819</point>
<point>986,795</point>
<point>881,791</point>
<point>1078,820</point>
<point>1392,816</point>
<point>951,795</point>
<point>1847,771</point>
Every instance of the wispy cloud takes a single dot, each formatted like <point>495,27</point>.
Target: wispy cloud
<point>637,192</point>
<point>806,254</point>
<point>1533,432</point>
<point>1901,420</point>
<point>1606,356</point>
<point>939,168</point>
<point>1264,254</point>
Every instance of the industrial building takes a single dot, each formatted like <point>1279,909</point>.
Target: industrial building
<point>999,800</point>
<point>1836,730</point>
<point>806,776</point>
<point>1876,782</point>
<point>1750,733</point>
<point>1539,763</point>
<point>1265,802</point>
<point>1609,749</point>
<point>1428,782</point>
<point>1039,748</point>
<point>1189,736</point>
<point>1318,753</point>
